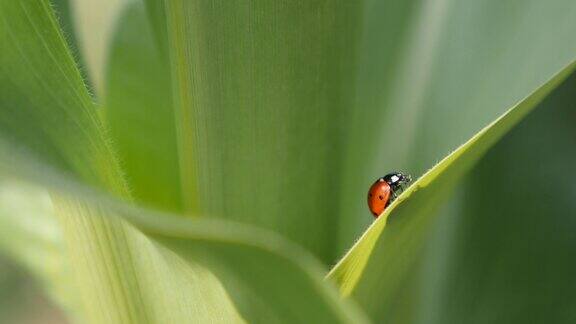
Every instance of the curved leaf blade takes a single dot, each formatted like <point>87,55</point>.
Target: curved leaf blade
<point>45,105</point>
<point>51,135</point>
<point>125,277</point>
<point>499,259</point>
<point>267,278</point>
<point>372,270</point>
<point>458,65</point>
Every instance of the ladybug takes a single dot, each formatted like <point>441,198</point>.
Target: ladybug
<point>387,188</point>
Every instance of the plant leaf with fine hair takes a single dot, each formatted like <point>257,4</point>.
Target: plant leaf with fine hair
<point>374,268</point>
<point>132,265</point>
<point>515,214</point>
<point>94,24</point>
<point>432,73</point>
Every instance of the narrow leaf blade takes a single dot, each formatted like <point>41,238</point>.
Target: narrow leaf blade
<point>138,108</point>
<point>262,88</point>
<point>373,269</point>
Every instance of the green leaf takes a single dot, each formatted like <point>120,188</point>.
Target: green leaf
<point>30,234</point>
<point>63,13</point>
<point>48,115</point>
<point>139,111</point>
<point>157,16</point>
<point>395,52</point>
<point>45,105</point>
<point>457,66</point>
<point>262,90</point>
<point>374,268</point>
<point>432,73</point>
<point>268,279</point>
<point>512,238</point>
<point>94,25</point>
<point>160,267</point>
<point>125,277</point>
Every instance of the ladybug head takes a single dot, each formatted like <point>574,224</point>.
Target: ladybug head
<point>397,180</point>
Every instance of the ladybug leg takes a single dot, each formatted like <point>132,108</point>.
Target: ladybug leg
<point>401,187</point>
<point>389,202</point>
<point>393,197</point>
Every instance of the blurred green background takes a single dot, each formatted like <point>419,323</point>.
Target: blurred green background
<point>504,247</point>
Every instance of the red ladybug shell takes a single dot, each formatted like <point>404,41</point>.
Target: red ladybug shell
<point>378,196</point>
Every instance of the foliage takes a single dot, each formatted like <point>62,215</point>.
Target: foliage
<point>218,169</point>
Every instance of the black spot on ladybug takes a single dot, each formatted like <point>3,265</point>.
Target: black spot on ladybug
<point>380,197</point>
